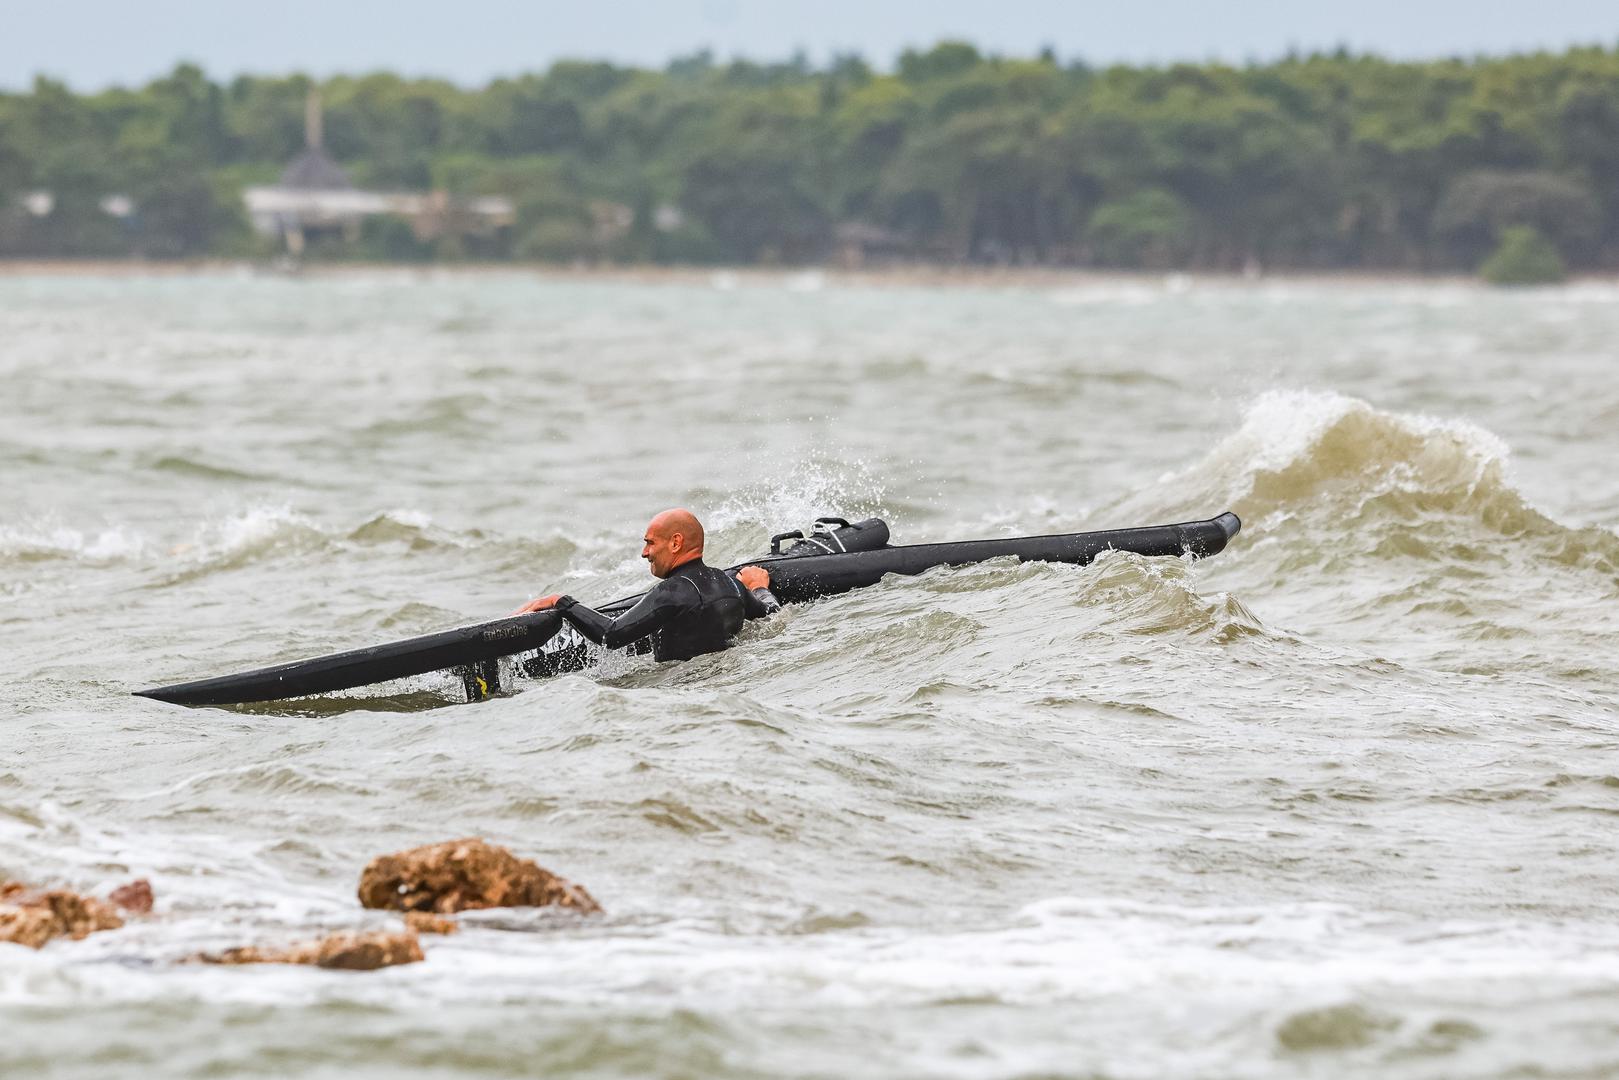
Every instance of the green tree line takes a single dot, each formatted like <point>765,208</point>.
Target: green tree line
<point>1318,161</point>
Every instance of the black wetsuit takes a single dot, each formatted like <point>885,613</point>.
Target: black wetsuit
<point>696,609</point>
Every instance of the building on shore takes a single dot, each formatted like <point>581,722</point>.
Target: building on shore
<point>314,197</point>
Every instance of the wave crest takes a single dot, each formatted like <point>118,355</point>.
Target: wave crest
<point>1296,447</point>
<point>45,541</point>
<point>1156,596</point>
<point>1416,484</point>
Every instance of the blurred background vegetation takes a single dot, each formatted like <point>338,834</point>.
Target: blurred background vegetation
<point>1311,162</point>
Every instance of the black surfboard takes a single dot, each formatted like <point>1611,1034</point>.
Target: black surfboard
<point>796,581</point>
<point>833,561</point>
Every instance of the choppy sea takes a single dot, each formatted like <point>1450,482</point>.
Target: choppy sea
<point>1342,801</point>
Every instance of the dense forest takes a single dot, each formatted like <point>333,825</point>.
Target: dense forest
<point>1319,161</point>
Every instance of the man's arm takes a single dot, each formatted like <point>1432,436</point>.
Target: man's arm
<point>757,599</point>
<point>650,614</point>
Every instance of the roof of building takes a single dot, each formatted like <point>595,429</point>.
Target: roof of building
<point>312,170</point>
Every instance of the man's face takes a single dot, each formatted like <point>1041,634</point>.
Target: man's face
<point>660,548</point>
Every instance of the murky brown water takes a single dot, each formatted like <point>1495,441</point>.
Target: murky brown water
<point>1339,802</point>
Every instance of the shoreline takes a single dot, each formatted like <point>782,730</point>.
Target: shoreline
<point>924,276</point>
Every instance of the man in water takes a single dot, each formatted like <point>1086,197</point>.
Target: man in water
<point>694,609</point>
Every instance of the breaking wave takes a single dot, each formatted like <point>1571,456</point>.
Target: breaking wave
<point>42,541</point>
<point>1404,484</point>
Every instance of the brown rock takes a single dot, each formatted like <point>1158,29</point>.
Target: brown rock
<point>32,917</point>
<point>426,923</point>
<point>135,898</point>
<point>360,952</point>
<point>461,875</point>
<point>80,915</point>
<point>242,954</point>
<point>32,927</point>
<point>344,952</point>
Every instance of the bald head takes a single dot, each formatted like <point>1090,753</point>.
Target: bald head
<point>673,538</point>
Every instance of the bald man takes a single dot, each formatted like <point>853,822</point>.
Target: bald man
<point>694,609</point>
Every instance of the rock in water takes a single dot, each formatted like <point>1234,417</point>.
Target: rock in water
<point>135,898</point>
<point>342,952</point>
<point>32,917</point>
<point>424,922</point>
<point>461,875</point>
<point>360,952</point>
<point>32,927</point>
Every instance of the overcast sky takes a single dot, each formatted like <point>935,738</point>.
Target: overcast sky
<point>96,43</point>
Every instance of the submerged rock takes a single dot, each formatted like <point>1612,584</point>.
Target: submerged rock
<point>1336,1027</point>
<point>342,952</point>
<point>462,875</point>
<point>424,922</point>
<point>33,917</point>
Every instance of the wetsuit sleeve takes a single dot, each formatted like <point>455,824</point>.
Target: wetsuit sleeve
<point>759,603</point>
<point>650,614</point>
<point>588,621</point>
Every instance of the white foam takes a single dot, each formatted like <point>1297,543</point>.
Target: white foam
<point>1062,950</point>
<point>251,529</point>
<point>1037,512</point>
<point>62,541</point>
<point>796,492</point>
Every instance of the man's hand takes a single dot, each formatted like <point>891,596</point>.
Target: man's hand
<point>544,603</point>
<point>754,577</point>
